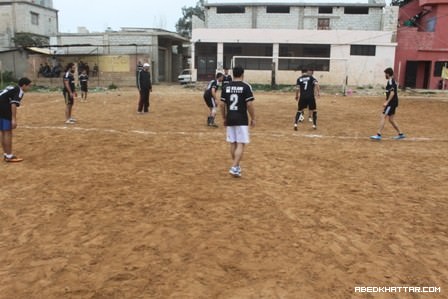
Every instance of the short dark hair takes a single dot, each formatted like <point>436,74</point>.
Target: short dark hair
<point>69,66</point>
<point>304,71</point>
<point>24,81</point>
<point>219,75</point>
<point>389,71</point>
<point>238,71</point>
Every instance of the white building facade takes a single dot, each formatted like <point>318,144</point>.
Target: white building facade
<point>341,41</point>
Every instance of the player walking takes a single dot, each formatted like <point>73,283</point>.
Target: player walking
<point>306,89</point>
<point>390,105</point>
<point>237,101</point>
<point>210,98</point>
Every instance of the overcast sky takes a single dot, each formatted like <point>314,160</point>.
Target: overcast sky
<point>97,16</point>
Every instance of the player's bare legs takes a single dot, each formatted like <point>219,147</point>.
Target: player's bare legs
<point>68,112</point>
<point>394,124</point>
<point>7,142</point>
<point>236,150</point>
<point>382,123</point>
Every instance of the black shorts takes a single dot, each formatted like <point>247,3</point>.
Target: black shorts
<point>210,102</point>
<point>307,102</point>
<point>84,87</point>
<point>68,99</point>
<point>389,110</point>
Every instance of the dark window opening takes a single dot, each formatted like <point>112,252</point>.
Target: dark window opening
<point>230,9</point>
<point>304,50</point>
<point>438,68</point>
<point>253,63</point>
<point>325,9</point>
<point>323,24</point>
<point>362,50</point>
<point>322,65</point>
<point>261,64</point>
<point>356,10</point>
<point>34,18</point>
<point>277,9</point>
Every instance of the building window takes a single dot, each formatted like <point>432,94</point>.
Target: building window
<point>252,55</point>
<point>304,50</point>
<point>438,68</point>
<point>322,65</point>
<point>277,9</point>
<point>230,9</point>
<point>34,18</point>
<point>260,64</point>
<point>356,10</point>
<point>362,50</point>
<point>325,9</point>
<point>323,24</point>
<point>299,54</point>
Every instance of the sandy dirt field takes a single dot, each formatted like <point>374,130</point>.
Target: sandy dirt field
<point>123,205</point>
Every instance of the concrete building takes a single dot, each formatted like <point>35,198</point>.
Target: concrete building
<point>422,43</point>
<point>341,40</point>
<point>117,53</point>
<point>33,17</point>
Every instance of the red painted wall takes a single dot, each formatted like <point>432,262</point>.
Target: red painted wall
<point>417,44</point>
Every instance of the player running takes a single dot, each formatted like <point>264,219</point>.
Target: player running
<point>390,105</point>
<point>237,101</point>
<point>210,98</point>
<point>306,89</point>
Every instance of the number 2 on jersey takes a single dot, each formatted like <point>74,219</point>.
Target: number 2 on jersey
<point>233,102</point>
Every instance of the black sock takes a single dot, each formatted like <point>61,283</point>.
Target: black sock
<point>315,118</point>
<point>209,120</point>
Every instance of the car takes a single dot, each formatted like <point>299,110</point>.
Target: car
<point>185,77</point>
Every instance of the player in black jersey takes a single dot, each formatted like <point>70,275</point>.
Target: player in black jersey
<point>306,91</point>
<point>210,98</point>
<point>390,105</point>
<point>237,102</point>
<point>227,78</point>
<point>69,92</point>
<point>83,82</point>
<point>10,99</point>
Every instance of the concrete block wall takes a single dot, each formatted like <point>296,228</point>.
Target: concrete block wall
<point>278,20</point>
<point>298,18</point>
<point>237,20</point>
<point>107,43</point>
<point>390,18</point>
<point>48,25</point>
<point>341,21</point>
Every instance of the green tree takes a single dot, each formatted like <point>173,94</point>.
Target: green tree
<point>29,40</point>
<point>184,24</point>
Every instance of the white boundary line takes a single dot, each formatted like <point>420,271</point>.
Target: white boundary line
<point>263,134</point>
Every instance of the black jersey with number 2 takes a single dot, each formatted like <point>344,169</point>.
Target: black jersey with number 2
<point>236,95</point>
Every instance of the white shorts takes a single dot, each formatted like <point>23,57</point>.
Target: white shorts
<point>238,134</point>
